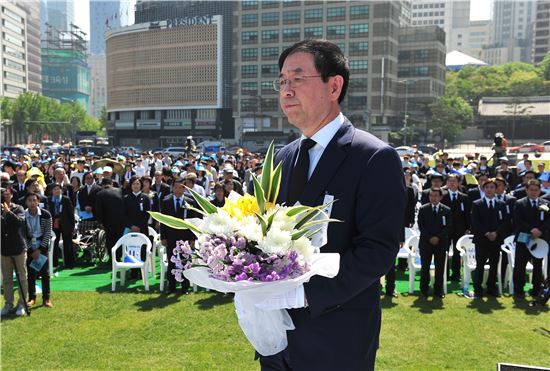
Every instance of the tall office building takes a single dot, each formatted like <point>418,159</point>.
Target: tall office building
<point>34,59</point>
<point>541,33</point>
<point>105,16</point>
<point>453,16</point>
<point>14,76</point>
<point>367,32</point>
<point>511,32</point>
<point>98,81</point>
<point>57,13</point>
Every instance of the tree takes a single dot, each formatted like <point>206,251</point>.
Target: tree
<point>450,115</point>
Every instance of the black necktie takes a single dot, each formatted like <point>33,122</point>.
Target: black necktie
<point>491,205</point>
<point>435,210</point>
<point>178,205</point>
<point>454,197</point>
<point>300,172</point>
<point>534,203</point>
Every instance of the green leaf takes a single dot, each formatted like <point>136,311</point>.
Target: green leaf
<point>319,221</point>
<point>203,202</point>
<point>263,223</point>
<point>296,235</point>
<point>276,183</point>
<point>312,233</point>
<point>189,207</point>
<point>308,215</point>
<point>259,194</point>
<point>270,218</point>
<point>267,171</point>
<point>298,209</point>
<point>173,222</point>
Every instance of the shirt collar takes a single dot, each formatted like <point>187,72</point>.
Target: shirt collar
<point>327,132</point>
<point>28,213</point>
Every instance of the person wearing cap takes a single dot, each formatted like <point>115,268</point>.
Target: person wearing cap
<point>521,190</point>
<point>531,218</point>
<point>489,225</point>
<point>434,221</point>
<point>459,205</point>
<point>436,181</point>
<point>63,222</point>
<point>229,173</point>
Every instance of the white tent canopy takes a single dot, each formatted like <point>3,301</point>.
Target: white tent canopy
<point>456,59</point>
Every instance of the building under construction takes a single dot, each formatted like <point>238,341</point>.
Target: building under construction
<point>65,69</point>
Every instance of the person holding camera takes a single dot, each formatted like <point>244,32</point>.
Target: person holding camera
<point>14,253</point>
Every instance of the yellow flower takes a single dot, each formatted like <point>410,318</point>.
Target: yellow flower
<point>242,207</point>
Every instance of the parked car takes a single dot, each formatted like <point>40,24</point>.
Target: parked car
<point>526,148</point>
<point>546,146</point>
<point>176,151</point>
<point>405,150</point>
<point>427,150</point>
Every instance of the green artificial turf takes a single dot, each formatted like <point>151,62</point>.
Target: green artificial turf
<point>134,330</point>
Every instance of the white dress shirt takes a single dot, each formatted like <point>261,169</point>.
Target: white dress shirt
<point>322,138</point>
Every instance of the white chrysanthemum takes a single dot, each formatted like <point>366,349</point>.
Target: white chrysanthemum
<point>276,241</point>
<point>250,229</point>
<point>284,222</point>
<point>219,223</point>
<point>304,247</point>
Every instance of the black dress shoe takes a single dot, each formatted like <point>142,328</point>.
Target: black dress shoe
<point>391,295</point>
<point>441,296</point>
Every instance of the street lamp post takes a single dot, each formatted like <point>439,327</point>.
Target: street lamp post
<point>406,83</point>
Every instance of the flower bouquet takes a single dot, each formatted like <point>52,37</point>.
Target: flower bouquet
<point>257,249</point>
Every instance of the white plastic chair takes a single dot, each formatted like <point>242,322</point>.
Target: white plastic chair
<point>50,254</point>
<point>415,263</point>
<point>154,250</point>
<point>509,248</point>
<point>163,265</point>
<point>405,250</point>
<point>468,254</point>
<point>131,246</point>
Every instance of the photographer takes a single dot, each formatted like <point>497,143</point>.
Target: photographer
<point>14,252</point>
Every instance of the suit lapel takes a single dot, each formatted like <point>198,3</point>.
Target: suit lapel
<point>328,164</point>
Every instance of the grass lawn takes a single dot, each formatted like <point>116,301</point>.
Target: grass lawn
<point>133,330</point>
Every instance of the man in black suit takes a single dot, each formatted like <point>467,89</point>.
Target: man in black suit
<point>159,187</point>
<point>19,186</point>
<point>489,226</point>
<point>504,172</point>
<point>62,210</point>
<point>109,211</point>
<point>435,222</point>
<point>521,190</point>
<point>510,202</point>
<point>87,193</point>
<point>333,160</point>
<point>532,218</point>
<point>460,210</point>
<point>436,181</point>
<point>174,205</point>
<point>476,193</point>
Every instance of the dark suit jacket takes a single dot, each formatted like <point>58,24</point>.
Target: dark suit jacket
<point>483,221</point>
<point>86,198</point>
<point>460,211</point>
<point>136,209</point>
<point>13,231</point>
<point>510,203</point>
<point>410,207</point>
<point>66,215</point>
<point>434,226</point>
<point>170,234</point>
<point>525,218</point>
<point>109,208</point>
<point>367,240</point>
<point>162,193</point>
<point>474,194</point>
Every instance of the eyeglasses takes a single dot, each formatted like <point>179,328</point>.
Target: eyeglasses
<point>293,82</point>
